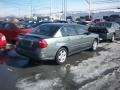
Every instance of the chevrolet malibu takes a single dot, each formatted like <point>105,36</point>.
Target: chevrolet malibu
<point>106,30</point>
<point>55,41</point>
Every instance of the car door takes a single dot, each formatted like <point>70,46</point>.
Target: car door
<point>117,30</point>
<point>84,37</point>
<point>70,37</point>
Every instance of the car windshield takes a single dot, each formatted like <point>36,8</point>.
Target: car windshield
<point>22,25</point>
<point>103,24</point>
<point>47,30</point>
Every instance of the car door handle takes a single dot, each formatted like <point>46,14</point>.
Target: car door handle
<point>68,39</point>
<point>82,37</point>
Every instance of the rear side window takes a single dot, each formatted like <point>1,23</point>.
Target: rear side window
<point>81,29</point>
<point>68,31</point>
<point>103,24</point>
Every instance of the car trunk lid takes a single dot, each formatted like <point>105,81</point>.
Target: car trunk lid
<point>32,41</point>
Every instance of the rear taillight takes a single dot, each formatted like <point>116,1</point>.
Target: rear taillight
<point>90,30</point>
<point>98,30</point>
<point>3,38</point>
<point>42,43</point>
<point>104,31</point>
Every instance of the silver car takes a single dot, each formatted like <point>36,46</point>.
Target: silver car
<point>55,41</point>
<point>106,30</point>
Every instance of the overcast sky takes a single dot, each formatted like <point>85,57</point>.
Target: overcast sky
<point>23,7</point>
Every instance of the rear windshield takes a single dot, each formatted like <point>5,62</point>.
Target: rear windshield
<point>23,25</point>
<point>103,24</point>
<point>47,30</point>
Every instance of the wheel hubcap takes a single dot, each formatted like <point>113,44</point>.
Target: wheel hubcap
<point>94,45</point>
<point>62,56</point>
<point>113,38</point>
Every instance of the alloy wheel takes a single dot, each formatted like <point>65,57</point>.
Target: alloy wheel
<point>61,56</point>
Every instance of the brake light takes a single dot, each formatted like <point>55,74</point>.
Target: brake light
<point>98,30</point>
<point>42,43</point>
<point>3,38</point>
<point>104,31</point>
<point>90,30</point>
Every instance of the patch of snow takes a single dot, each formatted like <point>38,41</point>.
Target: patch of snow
<point>91,69</point>
<point>39,85</point>
<point>108,82</point>
<point>95,67</point>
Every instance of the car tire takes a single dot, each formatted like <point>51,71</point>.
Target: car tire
<point>112,38</point>
<point>61,56</point>
<point>94,45</point>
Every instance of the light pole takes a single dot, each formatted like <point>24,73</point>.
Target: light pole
<point>50,9</point>
<point>89,4</point>
<point>65,9</point>
<point>19,12</point>
<point>31,7</point>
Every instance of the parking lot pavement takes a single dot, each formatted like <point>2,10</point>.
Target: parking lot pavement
<point>86,70</point>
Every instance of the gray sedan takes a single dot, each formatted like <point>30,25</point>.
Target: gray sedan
<point>106,30</point>
<point>55,41</point>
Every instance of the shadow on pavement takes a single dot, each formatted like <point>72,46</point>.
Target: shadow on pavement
<point>11,58</point>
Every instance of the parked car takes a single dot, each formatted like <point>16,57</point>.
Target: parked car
<point>106,30</point>
<point>3,41</point>
<point>82,23</point>
<point>97,21</point>
<point>12,29</point>
<point>55,41</point>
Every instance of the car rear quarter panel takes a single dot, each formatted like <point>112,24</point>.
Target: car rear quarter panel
<point>54,44</point>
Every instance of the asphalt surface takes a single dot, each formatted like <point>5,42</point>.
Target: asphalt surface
<point>86,70</point>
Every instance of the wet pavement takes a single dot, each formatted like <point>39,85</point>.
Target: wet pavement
<point>19,73</point>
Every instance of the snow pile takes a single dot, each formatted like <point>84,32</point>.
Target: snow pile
<point>86,72</point>
<point>94,68</point>
<point>108,82</point>
<point>39,85</point>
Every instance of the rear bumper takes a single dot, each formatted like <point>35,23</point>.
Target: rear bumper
<point>105,36</point>
<point>37,54</point>
<point>3,44</point>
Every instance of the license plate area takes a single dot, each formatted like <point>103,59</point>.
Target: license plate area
<point>26,43</point>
